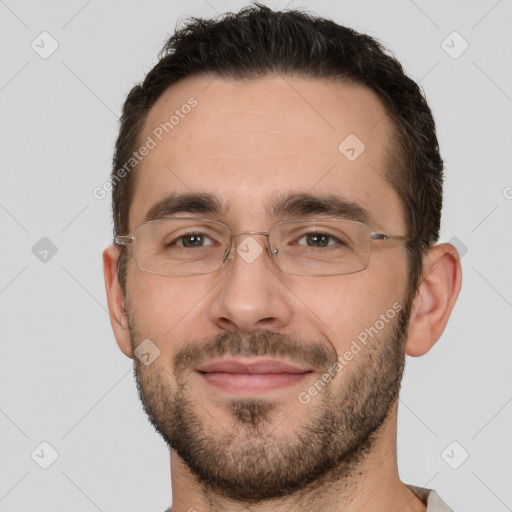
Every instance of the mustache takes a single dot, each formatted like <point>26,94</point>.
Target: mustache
<point>264,343</point>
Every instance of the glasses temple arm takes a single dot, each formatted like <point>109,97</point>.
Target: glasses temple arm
<point>123,239</point>
<point>384,236</point>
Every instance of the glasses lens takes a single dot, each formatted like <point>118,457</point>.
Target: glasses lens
<point>321,247</point>
<point>180,246</point>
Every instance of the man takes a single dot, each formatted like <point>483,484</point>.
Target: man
<point>277,192</point>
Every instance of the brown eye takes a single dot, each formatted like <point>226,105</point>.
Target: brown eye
<point>193,240</point>
<point>319,240</point>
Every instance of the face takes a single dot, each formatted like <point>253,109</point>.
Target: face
<point>266,381</point>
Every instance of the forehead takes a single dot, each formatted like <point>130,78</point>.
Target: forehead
<point>248,141</point>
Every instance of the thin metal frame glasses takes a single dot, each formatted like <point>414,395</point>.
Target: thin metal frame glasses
<point>185,246</point>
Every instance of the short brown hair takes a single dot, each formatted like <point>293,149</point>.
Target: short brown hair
<point>257,42</point>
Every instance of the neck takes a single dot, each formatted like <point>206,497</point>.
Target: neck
<point>374,486</point>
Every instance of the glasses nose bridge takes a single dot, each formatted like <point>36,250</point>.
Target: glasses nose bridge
<point>260,233</point>
<point>231,249</point>
<point>266,233</point>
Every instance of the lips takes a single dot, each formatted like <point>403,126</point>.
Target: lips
<point>260,366</point>
<point>245,376</point>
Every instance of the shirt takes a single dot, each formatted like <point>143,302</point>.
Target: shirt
<point>431,499</point>
<point>428,496</point>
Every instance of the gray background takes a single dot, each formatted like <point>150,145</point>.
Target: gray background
<point>63,379</point>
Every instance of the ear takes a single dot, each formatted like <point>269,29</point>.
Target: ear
<point>116,300</point>
<point>438,290</point>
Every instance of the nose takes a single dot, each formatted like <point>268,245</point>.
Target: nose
<point>251,296</point>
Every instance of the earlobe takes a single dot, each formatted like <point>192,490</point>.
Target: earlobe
<point>116,300</point>
<point>437,292</point>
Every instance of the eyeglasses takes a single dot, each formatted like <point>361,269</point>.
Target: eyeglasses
<point>186,246</point>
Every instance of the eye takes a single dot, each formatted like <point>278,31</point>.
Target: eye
<point>192,240</point>
<point>317,239</point>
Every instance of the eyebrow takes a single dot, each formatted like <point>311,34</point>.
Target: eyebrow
<point>307,204</point>
<point>284,205</point>
<point>198,202</point>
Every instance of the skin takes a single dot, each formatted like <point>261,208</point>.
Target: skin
<point>244,141</point>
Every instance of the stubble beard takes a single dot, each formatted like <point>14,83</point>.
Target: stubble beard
<point>245,460</point>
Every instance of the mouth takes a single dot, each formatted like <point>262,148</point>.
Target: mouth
<point>249,376</point>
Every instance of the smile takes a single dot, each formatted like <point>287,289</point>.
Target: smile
<point>249,376</point>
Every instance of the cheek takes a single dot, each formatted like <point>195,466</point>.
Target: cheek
<point>344,306</point>
<point>168,309</point>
